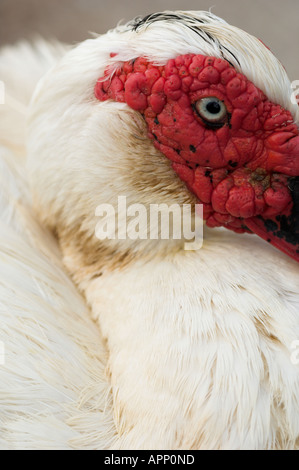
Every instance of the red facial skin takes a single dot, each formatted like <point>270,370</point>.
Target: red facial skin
<point>245,170</point>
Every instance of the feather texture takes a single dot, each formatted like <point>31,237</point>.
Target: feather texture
<point>53,392</point>
<point>196,345</point>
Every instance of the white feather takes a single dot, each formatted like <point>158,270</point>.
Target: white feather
<point>53,391</point>
<point>198,344</point>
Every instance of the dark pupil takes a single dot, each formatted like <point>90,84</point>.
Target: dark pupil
<point>213,107</point>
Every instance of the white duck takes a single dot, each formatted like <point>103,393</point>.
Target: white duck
<point>198,343</point>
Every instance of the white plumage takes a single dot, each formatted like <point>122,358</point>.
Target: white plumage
<point>189,350</point>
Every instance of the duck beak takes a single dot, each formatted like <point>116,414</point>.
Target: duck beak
<point>282,230</point>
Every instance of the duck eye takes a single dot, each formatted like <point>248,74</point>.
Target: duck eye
<point>211,110</point>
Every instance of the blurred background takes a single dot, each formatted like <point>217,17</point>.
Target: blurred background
<point>275,22</point>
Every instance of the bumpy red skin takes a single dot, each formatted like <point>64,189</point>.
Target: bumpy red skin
<point>239,171</point>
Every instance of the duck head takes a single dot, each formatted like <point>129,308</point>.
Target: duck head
<point>175,107</point>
